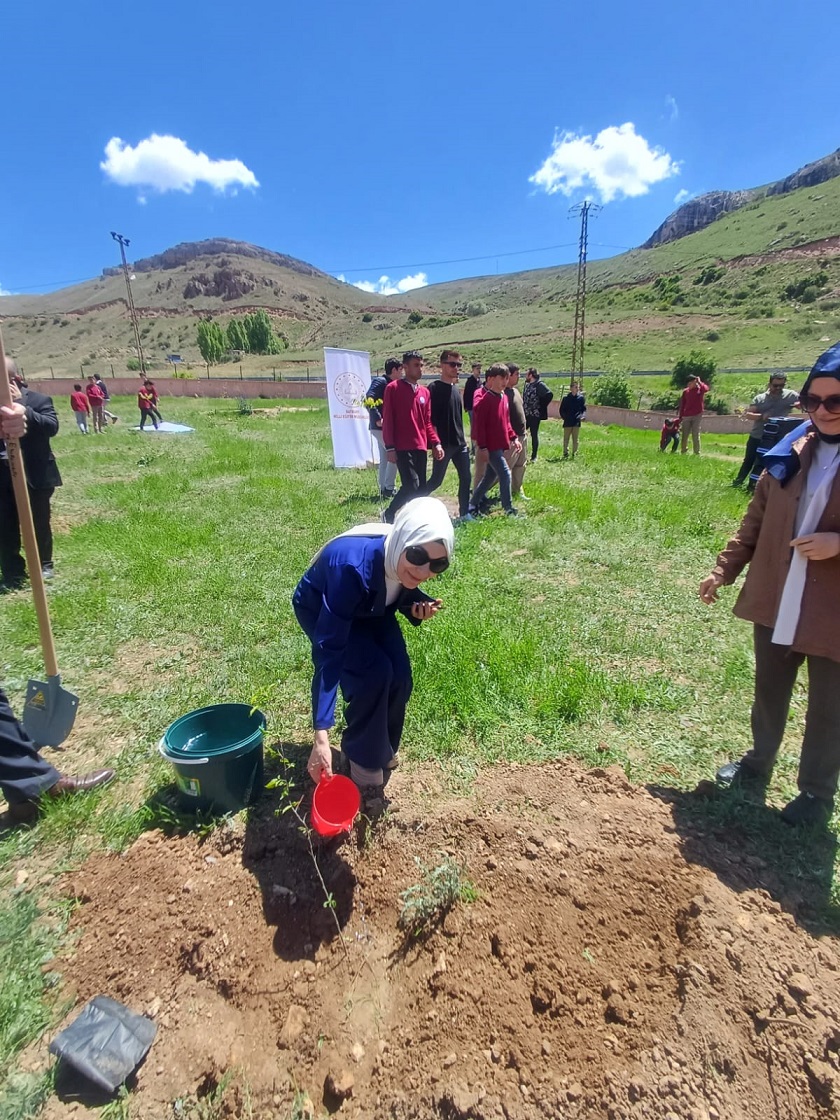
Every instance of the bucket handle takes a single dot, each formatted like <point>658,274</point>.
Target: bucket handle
<point>181,761</point>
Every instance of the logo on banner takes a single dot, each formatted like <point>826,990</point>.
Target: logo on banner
<point>350,389</point>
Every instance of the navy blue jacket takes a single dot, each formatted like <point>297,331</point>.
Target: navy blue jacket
<point>345,585</point>
<point>572,409</point>
<point>376,392</point>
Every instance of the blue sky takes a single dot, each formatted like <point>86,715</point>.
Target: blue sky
<point>377,139</point>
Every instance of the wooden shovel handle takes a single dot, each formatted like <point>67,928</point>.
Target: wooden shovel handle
<point>27,528</point>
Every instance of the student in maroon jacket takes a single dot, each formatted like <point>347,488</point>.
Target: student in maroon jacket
<point>493,436</point>
<point>691,412</point>
<point>408,432</point>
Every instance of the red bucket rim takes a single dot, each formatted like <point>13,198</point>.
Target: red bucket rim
<point>320,820</point>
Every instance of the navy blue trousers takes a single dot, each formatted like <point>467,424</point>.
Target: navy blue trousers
<point>24,775</point>
<point>375,681</point>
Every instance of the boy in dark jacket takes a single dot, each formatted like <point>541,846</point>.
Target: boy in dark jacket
<point>536,398</point>
<point>374,403</point>
<point>448,420</point>
<point>572,412</point>
<point>493,436</point>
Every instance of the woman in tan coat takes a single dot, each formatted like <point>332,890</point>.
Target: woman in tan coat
<point>790,538</point>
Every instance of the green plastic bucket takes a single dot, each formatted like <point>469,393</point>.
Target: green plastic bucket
<point>217,755</point>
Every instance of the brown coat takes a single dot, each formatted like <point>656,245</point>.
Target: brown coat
<point>763,542</point>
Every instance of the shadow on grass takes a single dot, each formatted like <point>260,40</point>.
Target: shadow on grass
<point>748,846</point>
<point>305,912</point>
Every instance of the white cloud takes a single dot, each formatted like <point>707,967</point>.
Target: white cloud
<point>3,291</point>
<point>682,196</point>
<point>384,286</point>
<point>672,107</point>
<point>618,163</point>
<point>165,163</point>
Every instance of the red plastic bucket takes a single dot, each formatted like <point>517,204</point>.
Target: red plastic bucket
<point>335,805</point>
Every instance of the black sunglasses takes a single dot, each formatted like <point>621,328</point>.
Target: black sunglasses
<point>418,557</point>
<point>810,403</point>
<point>458,365</point>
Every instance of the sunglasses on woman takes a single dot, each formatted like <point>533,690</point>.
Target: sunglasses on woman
<point>810,403</point>
<point>418,557</point>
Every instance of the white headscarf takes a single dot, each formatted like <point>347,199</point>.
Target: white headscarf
<point>420,521</point>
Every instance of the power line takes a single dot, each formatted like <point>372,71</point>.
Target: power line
<point>455,260</point>
<point>19,290</point>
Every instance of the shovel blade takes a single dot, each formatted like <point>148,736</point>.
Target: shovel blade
<point>49,712</point>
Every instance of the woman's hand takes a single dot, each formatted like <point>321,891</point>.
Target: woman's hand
<point>817,546</point>
<point>709,588</point>
<point>320,760</point>
<point>422,611</point>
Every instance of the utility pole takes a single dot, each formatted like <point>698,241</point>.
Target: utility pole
<point>132,310</point>
<point>584,209</point>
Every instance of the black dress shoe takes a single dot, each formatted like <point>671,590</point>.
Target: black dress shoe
<point>26,812</point>
<point>738,774</point>
<point>806,809</point>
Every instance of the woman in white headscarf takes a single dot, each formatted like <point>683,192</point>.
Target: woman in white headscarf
<point>790,538</point>
<point>346,604</point>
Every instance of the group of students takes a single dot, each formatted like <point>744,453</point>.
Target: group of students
<point>90,403</point>
<point>409,419</point>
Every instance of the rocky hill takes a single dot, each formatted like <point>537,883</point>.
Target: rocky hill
<point>188,251</point>
<point>700,212</point>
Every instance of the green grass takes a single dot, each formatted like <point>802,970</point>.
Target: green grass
<point>575,631</point>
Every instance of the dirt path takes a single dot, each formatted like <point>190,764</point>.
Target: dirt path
<point>619,961</point>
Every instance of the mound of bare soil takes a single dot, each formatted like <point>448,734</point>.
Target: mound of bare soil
<point>619,961</point>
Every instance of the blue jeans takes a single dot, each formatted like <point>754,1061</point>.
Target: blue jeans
<point>496,466</point>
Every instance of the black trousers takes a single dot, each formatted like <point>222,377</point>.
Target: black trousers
<point>24,775</point>
<point>534,432</point>
<point>12,564</point>
<point>412,467</point>
<point>460,456</point>
<point>753,443</point>
<point>776,668</point>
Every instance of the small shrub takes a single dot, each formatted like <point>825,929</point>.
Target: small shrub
<point>694,364</point>
<point>781,226</point>
<point>712,336</point>
<point>709,275</point>
<point>426,904</point>
<point>613,391</point>
<point>666,402</point>
<point>718,405</point>
<point>809,295</point>
<point>367,317</point>
<point>415,317</point>
<point>475,308</point>
<point>133,365</point>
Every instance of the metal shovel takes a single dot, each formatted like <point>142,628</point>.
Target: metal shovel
<point>49,710</point>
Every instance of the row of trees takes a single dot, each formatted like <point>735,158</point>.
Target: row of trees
<point>252,334</point>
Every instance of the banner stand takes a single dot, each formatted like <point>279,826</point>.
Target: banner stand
<point>348,377</point>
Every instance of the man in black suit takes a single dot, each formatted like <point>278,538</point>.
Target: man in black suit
<point>25,777</point>
<point>42,476</point>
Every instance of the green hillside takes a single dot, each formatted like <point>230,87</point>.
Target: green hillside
<point>758,287</point>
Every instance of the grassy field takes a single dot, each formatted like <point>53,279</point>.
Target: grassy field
<point>573,631</point>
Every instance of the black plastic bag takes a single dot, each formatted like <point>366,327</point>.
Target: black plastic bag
<point>105,1043</point>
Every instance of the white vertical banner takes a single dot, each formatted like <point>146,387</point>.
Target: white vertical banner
<point>348,377</point>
